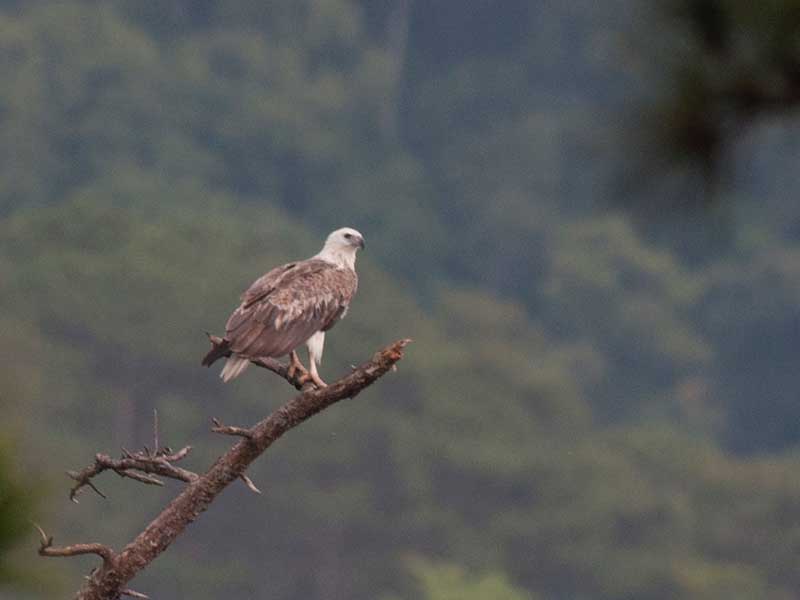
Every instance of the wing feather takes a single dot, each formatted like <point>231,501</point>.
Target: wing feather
<point>286,306</point>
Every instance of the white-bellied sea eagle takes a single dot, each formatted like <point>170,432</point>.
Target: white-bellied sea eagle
<point>290,305</point>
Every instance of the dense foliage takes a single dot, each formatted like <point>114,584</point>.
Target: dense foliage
<point>590,409</point>
<point>15,514</point>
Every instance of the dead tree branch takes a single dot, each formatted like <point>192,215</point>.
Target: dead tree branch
<point>108,582</point>
<point>140,466</point>
<point>229,430</point>
<point>46,548</point>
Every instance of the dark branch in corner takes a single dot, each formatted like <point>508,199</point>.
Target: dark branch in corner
<point>108,582</point>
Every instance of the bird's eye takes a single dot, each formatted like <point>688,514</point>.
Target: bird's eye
<point>348,235</point>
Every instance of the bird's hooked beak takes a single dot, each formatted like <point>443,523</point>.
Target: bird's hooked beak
<point>361,243</point>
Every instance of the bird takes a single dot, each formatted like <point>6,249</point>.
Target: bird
<point>290,305</point>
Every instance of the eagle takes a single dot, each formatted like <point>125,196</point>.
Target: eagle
<point>290,305</point>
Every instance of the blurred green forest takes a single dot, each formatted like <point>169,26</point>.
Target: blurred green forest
<point>601,400</point>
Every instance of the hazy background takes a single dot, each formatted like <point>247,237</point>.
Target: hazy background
<point>584,213</point>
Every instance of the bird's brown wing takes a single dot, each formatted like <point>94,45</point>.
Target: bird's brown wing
<point>285,307</point>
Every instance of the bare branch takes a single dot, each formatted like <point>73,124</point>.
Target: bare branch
<point>139,466</point>
<point>172,457</point>
<point>140,477</point>
<point>156,445</point>
<point>230,430</point>
<point>83,478</point>
<point>156,465</point>
<point>46,548</point>
<point>132,594</point>
<point>108,582</point>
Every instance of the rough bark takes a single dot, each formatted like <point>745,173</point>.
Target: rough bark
<point>108,581</point>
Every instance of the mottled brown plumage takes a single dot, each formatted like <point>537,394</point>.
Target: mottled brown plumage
<point>285,307</point>
<point>291,305</point>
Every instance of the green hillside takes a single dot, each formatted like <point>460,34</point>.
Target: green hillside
<point>597,404</point>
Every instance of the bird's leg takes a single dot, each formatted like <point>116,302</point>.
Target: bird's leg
<point>312,372</point>
<point>296,373</point>
<point>294,365</point>
<point>315,345</point>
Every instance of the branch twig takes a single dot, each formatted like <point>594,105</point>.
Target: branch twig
<point>230,430</point>
<point>139,466</point>
<point>156,444</point>
<point>46,548</point>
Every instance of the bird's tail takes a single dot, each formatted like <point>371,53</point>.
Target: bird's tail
<point>234,366</point>
<point>219,347</point>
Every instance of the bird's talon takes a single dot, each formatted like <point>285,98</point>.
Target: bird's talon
<point>317,381</point>
<point>307,377</point>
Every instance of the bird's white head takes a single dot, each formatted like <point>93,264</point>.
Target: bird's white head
<point>341,247</point>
